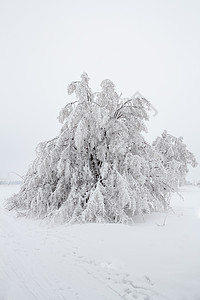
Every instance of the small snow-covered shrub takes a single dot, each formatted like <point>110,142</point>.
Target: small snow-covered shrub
<point>175,158</point>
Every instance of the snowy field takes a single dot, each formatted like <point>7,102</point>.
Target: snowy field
<point>102,262</point>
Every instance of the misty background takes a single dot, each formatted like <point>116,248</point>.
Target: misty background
<point>148,46</point>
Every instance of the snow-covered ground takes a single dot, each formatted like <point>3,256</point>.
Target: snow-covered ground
<point>145,261</point>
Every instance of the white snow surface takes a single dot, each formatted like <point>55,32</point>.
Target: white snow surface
<point>145,260</point>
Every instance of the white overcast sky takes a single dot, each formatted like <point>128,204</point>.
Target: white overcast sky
<point>150,46</point>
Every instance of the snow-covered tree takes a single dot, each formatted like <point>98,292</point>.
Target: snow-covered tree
<point>175,158</point>
<point>99,168</point>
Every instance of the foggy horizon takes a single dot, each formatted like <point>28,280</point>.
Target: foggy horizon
<point>147,46</point>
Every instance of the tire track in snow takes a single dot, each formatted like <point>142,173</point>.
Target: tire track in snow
<point>45,263</point>
<point>31,268</point>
